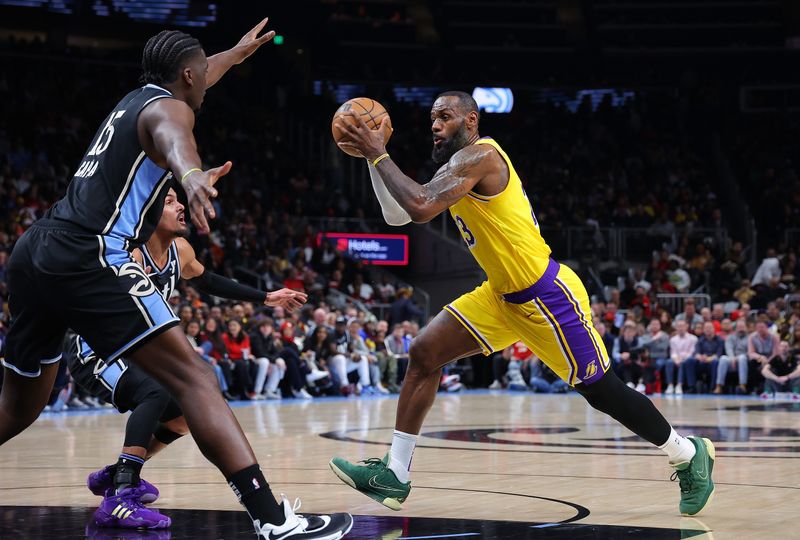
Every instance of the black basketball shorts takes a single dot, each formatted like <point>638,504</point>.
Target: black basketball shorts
<point>60,277</point>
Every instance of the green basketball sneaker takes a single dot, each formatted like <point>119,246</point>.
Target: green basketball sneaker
<point>374,479</point>
<point>694,478</point>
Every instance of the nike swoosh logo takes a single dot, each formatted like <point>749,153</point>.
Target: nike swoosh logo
<point>273,536</point>
<point>702,472</point>
<point>373,483</point>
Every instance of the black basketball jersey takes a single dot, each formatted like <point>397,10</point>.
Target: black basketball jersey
<point>165,279</point>
<point>116,190</point>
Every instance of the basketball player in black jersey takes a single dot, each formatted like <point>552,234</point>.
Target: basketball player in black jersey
<point>74,269</point>
<point>156,420</point>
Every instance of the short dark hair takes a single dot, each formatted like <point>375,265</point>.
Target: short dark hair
<point>465,101</point>
<point>164,54</point>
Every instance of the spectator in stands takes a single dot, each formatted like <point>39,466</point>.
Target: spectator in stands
<point>769,269</point>
<point>544,380</point>
<point>666,322</point>
<point>689,314</point>
<point>641,300</point>
<point>735,358</point>
<point>701,263</point>
<point>318,318</point>
<point>705,360</point>
<point>725,328</point>
<point>656,341</point>
<point>386,290</point>
<point>347,361</point>
<point>500,361</point>
<point>266,345</point>
<point>626,356</point>
<point>403,308</point>
<point>744,293</point>
<point>212,334</point>
<point>397,346</point>
<point>782,372</point>
<point>358,347</point>
<point>204,349</point>
<point>360,289</point>
<point>681,347</point>
<point>678,277</point>
<point>762,345</point>
<point>237,344</point>
<point>318,349</point>
<point>608,337</point>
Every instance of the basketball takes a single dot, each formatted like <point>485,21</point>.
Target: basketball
<point>369,110</point>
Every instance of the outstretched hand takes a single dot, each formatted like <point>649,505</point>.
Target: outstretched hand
<point>369,142</point>
<point>288,299</point>
<point>250,42</point>
<point>199,187</point>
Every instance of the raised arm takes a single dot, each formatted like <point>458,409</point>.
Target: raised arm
<point>165,131</point>
<point>220,63</point>
<point>453,181</point>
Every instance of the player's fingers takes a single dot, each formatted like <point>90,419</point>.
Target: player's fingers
<point>360,124</point>
<point>344,145</point>
<point>210,192</point>
<point>386,123</point>
<point>199,218</point>
<point>266,37</point>
<point>218,172</point>
<point>209,208</point>
<point>257,28</point>
<point>346,127</point>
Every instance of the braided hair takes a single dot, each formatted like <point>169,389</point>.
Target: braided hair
<point>164,55</point>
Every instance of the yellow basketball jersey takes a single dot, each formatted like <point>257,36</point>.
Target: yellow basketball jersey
<point>502,233</point>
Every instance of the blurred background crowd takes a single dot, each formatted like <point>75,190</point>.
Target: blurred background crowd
<point>676,199</point>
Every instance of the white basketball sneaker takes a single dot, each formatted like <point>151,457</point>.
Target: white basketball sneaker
<point>299,527</point>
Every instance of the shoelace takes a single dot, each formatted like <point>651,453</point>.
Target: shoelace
<point>372,463</point>
<point>684,480</point>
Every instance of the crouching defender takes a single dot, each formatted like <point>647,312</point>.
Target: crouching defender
<point>156,420</point>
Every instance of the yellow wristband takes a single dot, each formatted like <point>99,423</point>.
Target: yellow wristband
<point>380,158</point>
<point>190,171</point>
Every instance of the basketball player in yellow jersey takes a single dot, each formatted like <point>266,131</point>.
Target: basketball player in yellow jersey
<point>527,296</point>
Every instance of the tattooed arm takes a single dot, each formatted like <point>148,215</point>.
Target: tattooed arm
<point>458,176</point>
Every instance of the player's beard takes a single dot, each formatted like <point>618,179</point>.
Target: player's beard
<point>441,154</point>
<point>183,232</point>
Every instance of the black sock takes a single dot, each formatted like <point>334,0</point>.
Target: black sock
<point>129,467</point>
<point>252,490</point>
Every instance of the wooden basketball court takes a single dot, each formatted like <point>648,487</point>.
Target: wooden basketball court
<point>549,464</point>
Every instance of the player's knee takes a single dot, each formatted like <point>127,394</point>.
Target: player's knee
<point>203,377</point>
<point>280,363</point>
<point>422,358</point>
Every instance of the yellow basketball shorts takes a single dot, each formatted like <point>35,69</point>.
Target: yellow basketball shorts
<point>552,317</point>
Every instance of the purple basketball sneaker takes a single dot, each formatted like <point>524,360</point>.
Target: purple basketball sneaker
<point>101,481</point>
<point>125,511</point>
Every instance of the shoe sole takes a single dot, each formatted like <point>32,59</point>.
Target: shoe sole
<point>388,502</point>
<point>712,455</point>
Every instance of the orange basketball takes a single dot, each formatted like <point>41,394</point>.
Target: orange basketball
<point>369,110</point>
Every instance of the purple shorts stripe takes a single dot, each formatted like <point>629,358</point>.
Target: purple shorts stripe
<point>562,340</point>
<point>454,312</point>
<point>578,339</point>
<point>582,316</point>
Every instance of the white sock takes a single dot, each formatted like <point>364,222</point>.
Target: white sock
<point>401,453</point>
<point>678,448</point>
<point>393,213</point>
